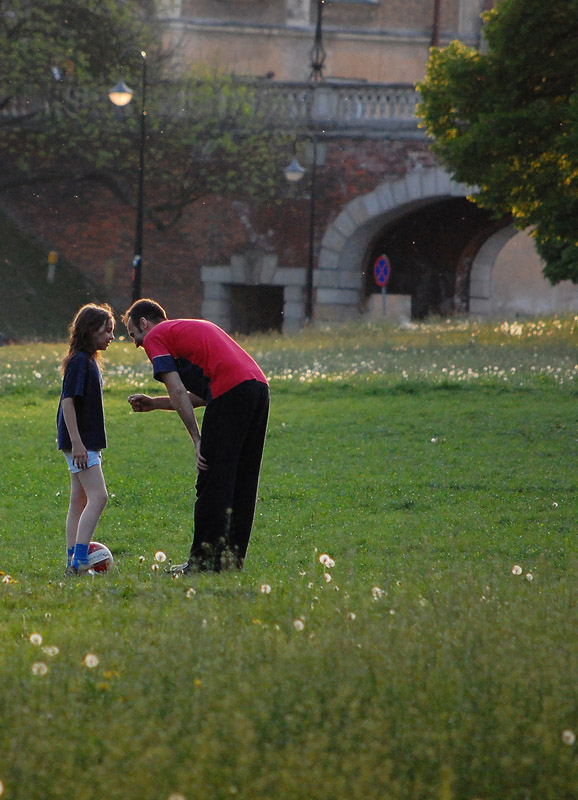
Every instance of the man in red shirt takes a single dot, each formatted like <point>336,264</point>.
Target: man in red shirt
<point>200,364</point>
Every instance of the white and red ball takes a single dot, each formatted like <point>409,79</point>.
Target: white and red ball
<point>99,557</point>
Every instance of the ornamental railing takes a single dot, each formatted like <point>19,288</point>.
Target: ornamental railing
<point>351,106</point>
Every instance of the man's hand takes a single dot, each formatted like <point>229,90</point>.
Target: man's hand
<point>141,402</point>
<point>201,462</point>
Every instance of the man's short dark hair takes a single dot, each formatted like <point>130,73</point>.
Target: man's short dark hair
<point>149,309</point>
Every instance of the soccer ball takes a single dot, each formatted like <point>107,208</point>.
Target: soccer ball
<point>99,557</point>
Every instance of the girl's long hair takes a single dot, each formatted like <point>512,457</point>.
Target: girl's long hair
<point>88,320</point>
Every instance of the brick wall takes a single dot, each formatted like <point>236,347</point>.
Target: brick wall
<point>91,228</point>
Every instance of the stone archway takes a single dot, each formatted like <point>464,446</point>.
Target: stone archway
<point>338,278</point>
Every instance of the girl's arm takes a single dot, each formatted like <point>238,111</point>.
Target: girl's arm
<point>79,452</point>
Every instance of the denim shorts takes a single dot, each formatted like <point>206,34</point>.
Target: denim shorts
<point>94,458</point>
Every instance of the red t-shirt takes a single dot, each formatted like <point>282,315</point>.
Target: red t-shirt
<point>201,353</point>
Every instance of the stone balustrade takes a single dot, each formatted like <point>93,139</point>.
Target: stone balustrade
<point>353,107</point>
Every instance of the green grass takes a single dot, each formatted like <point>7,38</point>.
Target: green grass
<point>427,462</point>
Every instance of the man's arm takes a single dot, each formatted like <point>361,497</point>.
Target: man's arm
<point>143,402</point>
<point>181,403</point>
<point>79,452</point>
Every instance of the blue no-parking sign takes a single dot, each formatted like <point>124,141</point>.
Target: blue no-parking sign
<point>381,270</point>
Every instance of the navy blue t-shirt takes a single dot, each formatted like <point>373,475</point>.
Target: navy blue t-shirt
<point>82,381</point>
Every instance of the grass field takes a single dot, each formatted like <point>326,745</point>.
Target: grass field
<point>433,464</point>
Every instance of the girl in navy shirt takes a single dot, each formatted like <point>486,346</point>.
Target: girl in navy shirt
<point>81,431</point>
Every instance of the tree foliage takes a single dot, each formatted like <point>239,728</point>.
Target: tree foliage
<point>58,59</point>
<point>506,121</point>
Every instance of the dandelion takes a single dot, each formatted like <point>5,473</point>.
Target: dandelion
<point>176,796</point>
<point>160,556</point>
<point>90,660</point>
<point>198,683</point>
<point>529,577</point>
<point>376,592</point>
<point>35,638</point>
<point>516,569</point>
<point>326,560</point>
<point>48,615</point>
<point>568,737</point>
<point>554,504</point>
<point>327,577</point>
<point>8,579</point>
<point>190,593</point>
<point>39,668</point>
<point>265,588</point>
<point>141,559</point>
<point>351,616</point>
<point>154,567</point>
<point>51,651</point>
<point>1,788</point>
<point>298,624</point>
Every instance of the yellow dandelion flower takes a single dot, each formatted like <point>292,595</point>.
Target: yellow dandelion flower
<point>90,660</point>
<point>160,556</point>
<point>39,668</point>
<point>198,682</point>
<point>35,638</point>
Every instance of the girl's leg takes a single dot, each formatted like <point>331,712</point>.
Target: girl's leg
<point>75,509</point>
<point>91,481</point>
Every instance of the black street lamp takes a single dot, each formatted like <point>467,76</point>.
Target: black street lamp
<point>121,95</point>
<point>294,172</point>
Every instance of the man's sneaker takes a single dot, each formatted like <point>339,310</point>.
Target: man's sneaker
<point>180,569</point>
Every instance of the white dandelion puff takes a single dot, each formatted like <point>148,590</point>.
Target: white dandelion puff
<point>39,668</point>
<point>90,660</point>
<point>190,593</point>
<point>51,651</point>
<point>517,569</point>
<point>298,624</point>
<point>265,588</point>
<point>529,577</point>
<point>351,616</point>
<point>327,577</point>
<point>326,560</point>
<point>568,737</point>
<point>376,592</point>
<point>160,556</point>
<point>35,638</point>
<point>154,567</point>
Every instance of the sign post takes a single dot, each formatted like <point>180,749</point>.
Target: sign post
<point>382,274</point>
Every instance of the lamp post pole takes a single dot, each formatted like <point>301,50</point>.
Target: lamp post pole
<point>294,172</point>
<point>309,273</point>
<point>120,96</point>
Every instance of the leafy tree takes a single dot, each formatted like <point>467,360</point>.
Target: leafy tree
<point>506,121</point>
<point>58,58</point>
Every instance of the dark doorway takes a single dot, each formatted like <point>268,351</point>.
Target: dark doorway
<point>423,249</point>
<point>256,309</point>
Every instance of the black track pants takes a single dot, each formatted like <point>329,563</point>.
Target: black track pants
<point>232,442</point>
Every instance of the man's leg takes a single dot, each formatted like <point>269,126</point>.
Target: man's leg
<point>247,480</point>
<point>225,425</point>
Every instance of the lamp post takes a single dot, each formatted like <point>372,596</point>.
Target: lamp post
<point>121,95</point>
<point>294,172</point>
